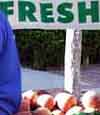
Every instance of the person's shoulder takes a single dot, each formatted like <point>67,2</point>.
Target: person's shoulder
<point>3,19</point>
<point>2,15</point>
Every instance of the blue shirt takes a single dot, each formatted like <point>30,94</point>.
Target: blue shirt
<point>10,77</point>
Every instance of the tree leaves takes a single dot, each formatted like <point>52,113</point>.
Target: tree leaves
<point>40,49</point>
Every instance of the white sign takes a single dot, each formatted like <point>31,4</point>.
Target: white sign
<point>52,14</point>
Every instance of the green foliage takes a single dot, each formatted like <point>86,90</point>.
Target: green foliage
<point>40,49</point>
<point>91,45</point>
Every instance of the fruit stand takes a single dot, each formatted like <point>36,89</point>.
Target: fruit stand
<point>59,102</point>
<point>57,14</point>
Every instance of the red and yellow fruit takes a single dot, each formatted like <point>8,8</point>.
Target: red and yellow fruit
<point>65,101</point>
<point>25,105</point>
<point>91,99</point>
<point>46,100</point>
<point>32,96</point>
<point>57,112</point>
<point>74,110</point>
<point>41,111</point>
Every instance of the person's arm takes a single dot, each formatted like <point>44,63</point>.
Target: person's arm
<point>10,75</point>
<point>1,41</point>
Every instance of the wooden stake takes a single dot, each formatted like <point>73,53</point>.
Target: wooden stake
<point>72,62</point>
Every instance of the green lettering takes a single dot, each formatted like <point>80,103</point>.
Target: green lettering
<point>46,12</point>
<point>66,15</point>
<point>93,11</point>
<point>26,10</point>
<point>7,7</point>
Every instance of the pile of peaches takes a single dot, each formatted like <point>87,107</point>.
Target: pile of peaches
<point>63,103</point>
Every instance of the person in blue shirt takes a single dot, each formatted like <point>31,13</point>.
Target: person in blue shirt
<point>10,75</point>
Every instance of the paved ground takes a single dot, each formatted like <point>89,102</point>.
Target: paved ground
<point>90,78</point>
<point>32,79</point>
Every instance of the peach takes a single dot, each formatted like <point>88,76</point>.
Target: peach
<point>57,112</point>
<point>32,96</point>
<point>28,94</point>
<point>91,99</point>
<point>65,101</point>
<point>41,111</point>
<point>46,100</point>
<point>74,110</point>
<point>25,105</point>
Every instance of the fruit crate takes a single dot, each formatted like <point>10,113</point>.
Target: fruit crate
<point>28,108</point>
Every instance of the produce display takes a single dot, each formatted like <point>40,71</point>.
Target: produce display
<point>42,111</point>
<point>57,112</point>
<point>63,103</point>
<point>91,99</point>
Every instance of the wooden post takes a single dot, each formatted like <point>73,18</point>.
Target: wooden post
<point>72,62</point>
